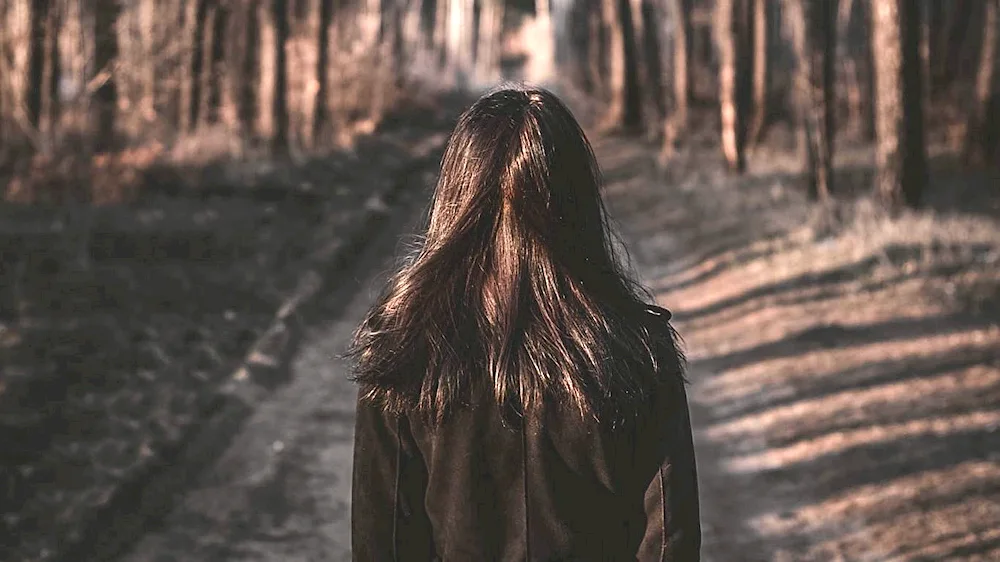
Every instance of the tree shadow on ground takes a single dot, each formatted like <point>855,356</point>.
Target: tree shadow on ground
<point>839,336</point>
<point>872,375</point>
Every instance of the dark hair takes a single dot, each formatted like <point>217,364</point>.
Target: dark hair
<point>516,286</point>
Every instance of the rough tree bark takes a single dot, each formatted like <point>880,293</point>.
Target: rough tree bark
<point>194,31</point>
<point>51,106</point>
<point>811,26</point>
<point>675,126</point>
<point>734,71</point>
<point>322,114</point>
<point>760,67</point>
<point>105,98</point>
<point>33,88</point>
<point>900,154</point>
<point>624,111</point>
<point>250,73</point>
<point>279,105</point>
<point>986,78</point>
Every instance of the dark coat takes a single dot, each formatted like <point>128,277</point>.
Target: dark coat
<point>556,488</point>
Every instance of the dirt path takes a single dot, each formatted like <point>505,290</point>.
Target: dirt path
<point>846,380</point>
<point>281,490</point>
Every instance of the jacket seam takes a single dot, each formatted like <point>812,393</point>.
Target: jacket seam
<point>395,494</point>
<point>524,488</point>
<point>663,514</point>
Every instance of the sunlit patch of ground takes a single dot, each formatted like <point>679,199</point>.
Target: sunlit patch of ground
<point>846,372</point>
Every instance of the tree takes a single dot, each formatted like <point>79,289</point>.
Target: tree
<point>811,26</point>
<point>900,154</point>
<point>105,100</point>
<point>279,105</point>
<point>734,72</point>
<point>322,114</point>
<point>675,125</point>
<point>624,106</point>
<point>760,71</point>
<point>985,85</point>
<point>249,73</point>
<point>33,87</point>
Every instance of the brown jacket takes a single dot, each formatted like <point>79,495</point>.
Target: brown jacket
<point>555,488</point>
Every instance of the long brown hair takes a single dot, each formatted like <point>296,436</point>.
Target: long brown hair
<point>516,286</point>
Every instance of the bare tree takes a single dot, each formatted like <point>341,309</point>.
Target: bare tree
<point>33,88</point>
<point>322,114</point>
<point>734,73</point>
<point>675,125</point>
<point>624,106</point>
<point>811,25</point>
<point>250,73</point>
<point>105,98</point>
<point>760,71</point>
<point>985,85</point>
<point>899,122</point>
<point>279,106</point>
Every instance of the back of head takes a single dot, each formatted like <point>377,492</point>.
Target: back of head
<point>516,288</point>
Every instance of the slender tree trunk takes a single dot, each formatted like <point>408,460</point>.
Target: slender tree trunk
<point>733,71</point>
<point>250,75</point>
<point>900,152</point>
<point>194,31</point>
<point>811,24</point>
<point>215,65</point>
<point>279,107</point>
<point>322,113</point>
<point>675,126</point>
<point>33,88</point>
<point>105,98</point>
<point>53,69</point>
<point>147,28</point>
<point>986,78</point>
<point>624,108</point>
<point>206,78</point>
<point>490,34</point>
<point>760,68</point>
<point>596,50</point>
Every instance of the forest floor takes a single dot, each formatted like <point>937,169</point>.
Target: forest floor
<point>845,366</point>
<point>130,331</point>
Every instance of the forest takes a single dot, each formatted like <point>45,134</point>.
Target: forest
<point>109,76</point>
<point>199,195</point>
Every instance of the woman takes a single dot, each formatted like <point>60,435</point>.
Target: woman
<point>518,400</point>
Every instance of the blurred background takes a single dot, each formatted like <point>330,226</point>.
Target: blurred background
<point>200,195</point>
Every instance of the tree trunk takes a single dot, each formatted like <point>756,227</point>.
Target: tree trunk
<point>624,111</point>
<point>676,125</point>
<point>52,107</point>
<point>279,106</point>
<point>986,77</point>
<point>811,25</point>
<point>760,68</point>
<point>733,73</point>
<point>321,115</point>
<point>194,31</point>
<point>900,153</point>
<point>33,88</point>
<point>214,65</point>
<point>250,74</point>
<point>105,97</point>
<point>147,27</point>
<point>490,35</point>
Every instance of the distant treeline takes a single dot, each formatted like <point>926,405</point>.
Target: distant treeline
<point>300,72</point>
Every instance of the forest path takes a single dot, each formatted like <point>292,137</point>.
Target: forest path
<point>281,489</point>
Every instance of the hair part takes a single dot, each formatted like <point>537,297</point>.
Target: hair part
<point>516,288</point>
